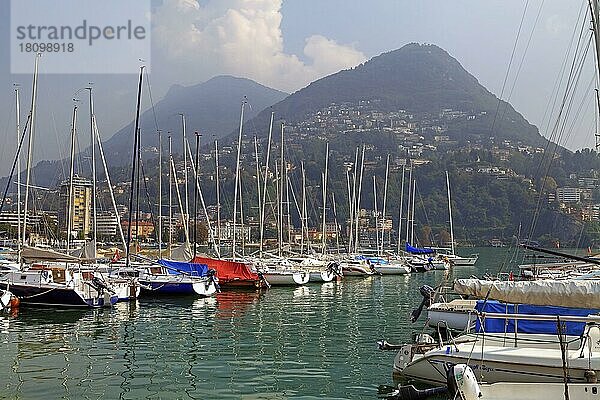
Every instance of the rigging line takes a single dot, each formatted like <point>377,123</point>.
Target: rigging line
<point>58,145</point>
<point>149,203</point>
<point>512,55</point>
<point>556,96</point>
<point>549,111</point>
<point>565,96</point>
<point>14,165</point>
<point>151,100</point>
<point>537,18</point>
<point>584,100</point>
<point>559,130</point>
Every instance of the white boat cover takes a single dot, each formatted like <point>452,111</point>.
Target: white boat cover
<point>38,254</point>
<point>182,253</point>
<point>567,293</point>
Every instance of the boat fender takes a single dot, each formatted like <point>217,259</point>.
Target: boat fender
<point>427,292</point>
<point>15,302</point>
<point>462,383</point>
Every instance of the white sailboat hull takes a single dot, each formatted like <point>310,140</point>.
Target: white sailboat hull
<point>284,278</point>
<point>321,276</point>
<point>536,391</point>
<point>495,358</point>
<point>392,269</point>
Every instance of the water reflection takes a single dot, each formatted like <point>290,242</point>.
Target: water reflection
<point>284,343</point>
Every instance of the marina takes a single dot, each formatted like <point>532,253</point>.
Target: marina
<point>313,341</point>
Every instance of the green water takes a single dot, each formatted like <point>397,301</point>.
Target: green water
<point>312,342</point>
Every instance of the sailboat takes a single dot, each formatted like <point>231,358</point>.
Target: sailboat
<point>46,277</point>
<point>452,257</point>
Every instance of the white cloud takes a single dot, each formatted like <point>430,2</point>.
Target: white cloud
<point>239,37</point>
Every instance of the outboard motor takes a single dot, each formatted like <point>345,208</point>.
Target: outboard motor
<point>409,392</point>
<point>100,285</point>
<point>462,383</point>
<point>427,292</point>
<point>212,276</point>
<point>334,268</point>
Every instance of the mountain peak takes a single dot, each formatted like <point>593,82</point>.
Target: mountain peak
<point>419,78</point>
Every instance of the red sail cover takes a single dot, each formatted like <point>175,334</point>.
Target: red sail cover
<point>229,271</point>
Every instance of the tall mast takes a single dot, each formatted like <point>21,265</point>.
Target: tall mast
<point>18,129</point>
<point>134,164</point>
<point>266,176</point>
<point>376,214</point>
<point>349,221</point>
<point>30,143</point>
<point>71,168</point>
<point>412,212</point>
<point>450,213</point>
<point>385,188</point>
<point>93,151</point>
<point>595,12</point>
<point>357,209</point>
<point>303,221</point>
<point>352,237</point>
<point>159,194</point>
<point>218,198</point>
<point>324,227</point>
<point>110,189</point>
<point>287,200</point>
<point>279,211</point>
<point>170,196</point>
<point>337,233</point>
<point>185,171</point>
<point>400,212</point>
<point>197,173</point>
<point>408,204</point>
<point>237,179</point>
<point>260,218</point>
<point>281,177</point>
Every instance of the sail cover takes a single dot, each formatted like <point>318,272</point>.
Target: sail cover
<point>415,250</point>
<point>228,271</point>
<point>178,267</point>
<point>567,293</point>
<point>500,325</point>
<point>30,254</point>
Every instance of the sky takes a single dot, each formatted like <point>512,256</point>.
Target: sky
<point>287,44</point>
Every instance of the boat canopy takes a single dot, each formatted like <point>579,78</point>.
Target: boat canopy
<point>546,292</point>
<point>415,250</point>
<point>503,325</point>
<point>178,267</point>
<point>228,270</point>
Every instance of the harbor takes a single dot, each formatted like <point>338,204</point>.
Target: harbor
<point>194,207</point>
<point>316,341</point>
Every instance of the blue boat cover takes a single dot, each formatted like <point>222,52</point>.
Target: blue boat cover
<point>177,267</point>
<point>416,250</point>
<point>497,325</point>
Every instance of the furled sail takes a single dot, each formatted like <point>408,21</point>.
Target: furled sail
<point>415,250</point>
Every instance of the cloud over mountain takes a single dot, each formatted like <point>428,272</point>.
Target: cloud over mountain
<point>241,37</point>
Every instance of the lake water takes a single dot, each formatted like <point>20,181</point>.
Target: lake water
<point>311,342</point>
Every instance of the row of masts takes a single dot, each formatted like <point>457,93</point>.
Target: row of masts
<point>354,177</point>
